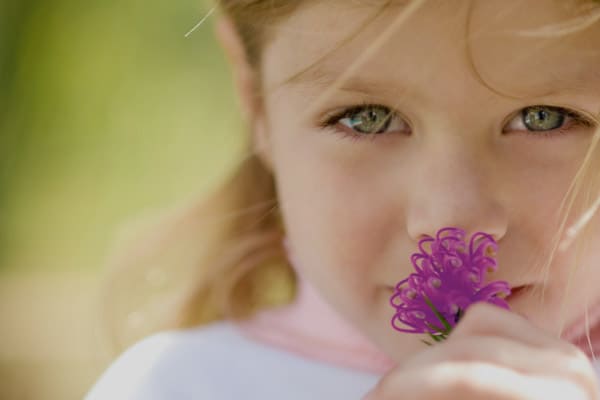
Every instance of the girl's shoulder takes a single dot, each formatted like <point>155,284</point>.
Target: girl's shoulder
<point>147,369</point>
<point>218,362</point>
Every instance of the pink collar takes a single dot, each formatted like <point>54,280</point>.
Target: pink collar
<point>311,328</point>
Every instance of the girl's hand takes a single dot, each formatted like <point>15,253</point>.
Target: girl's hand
<point>493,354</point>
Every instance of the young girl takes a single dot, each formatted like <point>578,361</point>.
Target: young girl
<point>373,124</point>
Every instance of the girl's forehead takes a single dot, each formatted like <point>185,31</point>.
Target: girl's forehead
<point>510,42</point>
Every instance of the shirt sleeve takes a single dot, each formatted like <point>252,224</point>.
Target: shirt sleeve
<point>132,375</point>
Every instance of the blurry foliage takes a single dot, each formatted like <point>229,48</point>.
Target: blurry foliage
<point>10,14</point>
<point>106,110</point>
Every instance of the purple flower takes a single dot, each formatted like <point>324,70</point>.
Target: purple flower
<point>449,278</point>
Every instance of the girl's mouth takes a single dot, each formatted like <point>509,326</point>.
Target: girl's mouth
<point>516,292</point>
<point>576,332</point>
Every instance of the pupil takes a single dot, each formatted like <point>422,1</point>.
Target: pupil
<point>542,118</point>
<point>369,120</point>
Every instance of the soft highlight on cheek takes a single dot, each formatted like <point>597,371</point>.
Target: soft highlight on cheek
<point>347,213</point>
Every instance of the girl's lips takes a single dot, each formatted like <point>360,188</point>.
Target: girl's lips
<point>516,292</point>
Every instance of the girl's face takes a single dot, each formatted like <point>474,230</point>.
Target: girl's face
<point>357,191</point>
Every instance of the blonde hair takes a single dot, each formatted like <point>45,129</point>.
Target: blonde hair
<point>222,257</point>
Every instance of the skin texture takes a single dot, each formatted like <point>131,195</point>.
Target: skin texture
<point>458,154</point>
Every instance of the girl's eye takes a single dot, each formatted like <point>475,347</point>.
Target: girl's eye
<point>546,121</point>
<point>370,121</point>
<point>367,120</point>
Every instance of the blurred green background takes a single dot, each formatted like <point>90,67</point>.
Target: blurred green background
<point>106,111</point>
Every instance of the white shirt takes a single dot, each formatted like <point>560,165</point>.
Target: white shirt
<point>217,362</point>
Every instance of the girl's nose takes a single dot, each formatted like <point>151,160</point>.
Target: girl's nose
<point>455,189</point>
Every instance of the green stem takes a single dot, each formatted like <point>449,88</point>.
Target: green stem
<point>447,326</point>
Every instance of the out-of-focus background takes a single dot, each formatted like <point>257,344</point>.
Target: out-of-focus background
<point>106,111</point>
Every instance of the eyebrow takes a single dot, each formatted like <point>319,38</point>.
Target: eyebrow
<point>322,77</point>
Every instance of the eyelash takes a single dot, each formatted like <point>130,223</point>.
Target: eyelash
<point>332,120</point>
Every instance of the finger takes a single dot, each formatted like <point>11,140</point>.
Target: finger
<point>474,380</point>
<point>490,320</point>
<point>508,353</point>
<point>485,319</point>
